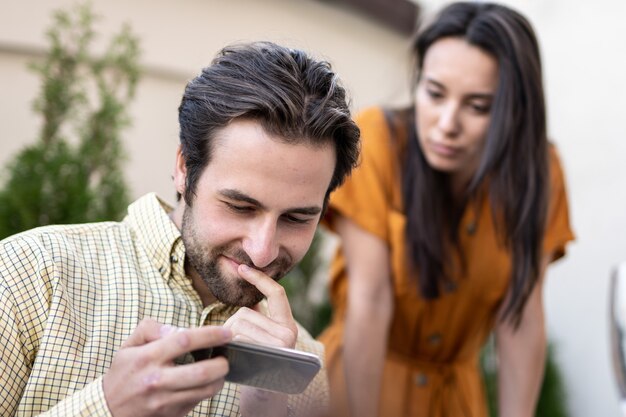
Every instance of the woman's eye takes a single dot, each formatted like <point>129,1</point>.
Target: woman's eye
<point>480,108</point>
<point>434,94</point>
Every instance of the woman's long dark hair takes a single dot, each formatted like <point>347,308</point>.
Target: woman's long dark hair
<point>514,163</point>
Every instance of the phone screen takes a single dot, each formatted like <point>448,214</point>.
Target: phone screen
<point>276,369</point>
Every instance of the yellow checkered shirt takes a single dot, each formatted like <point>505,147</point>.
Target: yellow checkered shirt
<point>70,295</point>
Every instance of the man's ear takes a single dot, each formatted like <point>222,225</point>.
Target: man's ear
<point>180,171</point>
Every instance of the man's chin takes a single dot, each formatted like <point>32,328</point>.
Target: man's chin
<point>240,293</point>
<point>240,300</point>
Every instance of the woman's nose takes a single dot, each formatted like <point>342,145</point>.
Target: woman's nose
<point>449,122</point>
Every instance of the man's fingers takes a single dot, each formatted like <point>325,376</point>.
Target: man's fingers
<point>187,340</point>
<point>148,330</point>
<point>277,300</point>
<point>249,325</point>
<point>193,375</point>
<point>174,342</point>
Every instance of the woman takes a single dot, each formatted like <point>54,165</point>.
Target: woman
<point>447,227</point>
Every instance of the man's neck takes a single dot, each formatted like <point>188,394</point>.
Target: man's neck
<point>200,286</point>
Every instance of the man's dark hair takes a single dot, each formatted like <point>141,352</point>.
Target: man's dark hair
<point>294,97</point>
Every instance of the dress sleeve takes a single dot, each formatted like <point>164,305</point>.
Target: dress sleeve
<point>366,196</point>
<point>558,228</point>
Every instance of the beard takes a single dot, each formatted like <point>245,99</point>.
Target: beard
<point>204,259</point>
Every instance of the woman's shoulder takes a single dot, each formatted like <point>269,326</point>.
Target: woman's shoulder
<point>372,122</point>
<point>382,130</point>
<point>554,161</point>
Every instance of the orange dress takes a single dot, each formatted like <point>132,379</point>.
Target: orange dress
<point>432,363</point>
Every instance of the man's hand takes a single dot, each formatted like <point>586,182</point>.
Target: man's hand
<point>278,328</point>
<point>143,380</point>
<point>250,325</point>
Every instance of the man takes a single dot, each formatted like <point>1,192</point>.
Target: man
<point>94,319</point>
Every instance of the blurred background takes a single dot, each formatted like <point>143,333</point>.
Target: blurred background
<point>584,54</point>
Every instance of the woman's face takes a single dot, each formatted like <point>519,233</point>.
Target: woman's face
<point>453,105</point>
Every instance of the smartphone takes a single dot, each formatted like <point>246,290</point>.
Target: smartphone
<point>276,369</point>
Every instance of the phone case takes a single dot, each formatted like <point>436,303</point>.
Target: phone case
<point>276,369</point>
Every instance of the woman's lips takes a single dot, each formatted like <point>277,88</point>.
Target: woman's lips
<point>443,150</point>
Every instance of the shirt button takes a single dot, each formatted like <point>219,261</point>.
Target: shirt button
<point>420,379</point>
<point>174,258</point>
<point>434,339</point>
<point>162,269</point>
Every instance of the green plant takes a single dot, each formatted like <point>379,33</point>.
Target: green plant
<point>552,399</point>
<point>72,173</point>
<point>309,302</point>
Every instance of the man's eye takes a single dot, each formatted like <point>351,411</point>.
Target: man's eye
<point>297,220</point>
<point>239,209</point>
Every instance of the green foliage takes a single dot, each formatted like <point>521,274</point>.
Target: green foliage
<point>72,173</point>
<point>552,396</point>
<point>552,399</point>
<point>313,312</point>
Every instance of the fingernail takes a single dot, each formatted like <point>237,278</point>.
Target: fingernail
<point>245,268</point>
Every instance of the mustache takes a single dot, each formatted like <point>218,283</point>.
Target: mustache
<point>278,265</point>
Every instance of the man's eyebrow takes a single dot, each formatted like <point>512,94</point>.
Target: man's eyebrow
<point>237,195</point>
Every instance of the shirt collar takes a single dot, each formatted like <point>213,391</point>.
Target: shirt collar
<point>159,236</point>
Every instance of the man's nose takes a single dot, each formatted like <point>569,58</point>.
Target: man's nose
<point>261,243</point>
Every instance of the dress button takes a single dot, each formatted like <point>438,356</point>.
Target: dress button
<point>420,379</point>
<point>435,339</point>
<point>174,258</point>
<point>450,286</point>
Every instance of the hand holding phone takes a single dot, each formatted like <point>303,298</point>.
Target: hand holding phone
<point>270,324</point>
<point>276,369</point>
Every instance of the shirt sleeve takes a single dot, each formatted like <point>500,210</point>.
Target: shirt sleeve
<point>25,271</point>
<point>366,196</point>
<point>14,368</point>
<point>89,401</point>
<point>558,228</point>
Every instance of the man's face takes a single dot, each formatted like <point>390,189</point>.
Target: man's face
<point>257,202</point>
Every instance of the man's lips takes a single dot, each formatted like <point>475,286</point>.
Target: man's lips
<point>232,262</point>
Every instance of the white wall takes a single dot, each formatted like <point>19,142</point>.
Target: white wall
<point>178,39</point>
<point>583,46</point>
<point>585,61</point>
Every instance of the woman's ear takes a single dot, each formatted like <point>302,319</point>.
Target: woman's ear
<point>180,172</point>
